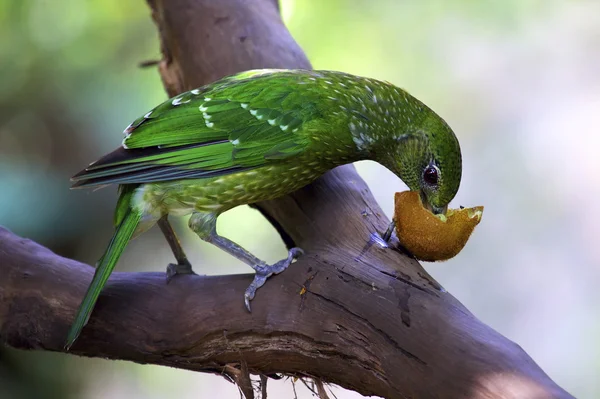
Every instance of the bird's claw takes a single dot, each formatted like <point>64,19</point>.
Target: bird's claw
<point>175,269</point>
<point>389,232</point>
<point>376,238</point>
<point>264,271</point>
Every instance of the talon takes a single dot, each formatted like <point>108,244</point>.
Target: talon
<point>174,269</point>
<point>264,271</point>
<point>247,300</point>
<point>375,238</point>
<point>387,235</point>
<point>295,253</point>
<point>259,281</point>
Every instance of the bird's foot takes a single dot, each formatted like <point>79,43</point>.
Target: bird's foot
<point>264,271</point>
<point>385,240</point>
<point>381,241</point>
<point>386,237</point>
<point>175,269</point>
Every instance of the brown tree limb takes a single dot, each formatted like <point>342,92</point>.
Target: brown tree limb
<point>374,323</point>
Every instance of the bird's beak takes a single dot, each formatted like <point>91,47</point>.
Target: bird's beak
<point>433,209</point>
<point>439,211</point>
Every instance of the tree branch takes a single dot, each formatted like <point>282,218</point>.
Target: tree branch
<point>375,323</point>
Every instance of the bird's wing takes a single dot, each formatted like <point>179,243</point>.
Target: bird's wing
<point>237,123</point>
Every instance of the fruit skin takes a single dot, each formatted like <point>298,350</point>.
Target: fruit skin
<point>427,236</point>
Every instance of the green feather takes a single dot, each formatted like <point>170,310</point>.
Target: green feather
<point>270,132</point>
<point>231,125</point>
<point>128,220</point>
<point>270,117</point>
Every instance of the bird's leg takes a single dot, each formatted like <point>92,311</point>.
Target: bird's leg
<point>205,225</point>
<point>183,265</point>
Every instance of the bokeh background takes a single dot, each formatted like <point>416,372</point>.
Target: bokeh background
<point>519,82</point>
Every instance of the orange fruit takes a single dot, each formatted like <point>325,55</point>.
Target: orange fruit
<point>432,237</point>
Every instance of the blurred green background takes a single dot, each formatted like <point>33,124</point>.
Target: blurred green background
<point>518,80</point>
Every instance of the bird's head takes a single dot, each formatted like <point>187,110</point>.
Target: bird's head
<point>428,159</point>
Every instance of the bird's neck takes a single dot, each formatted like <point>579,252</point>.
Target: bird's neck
<point>381,117</point>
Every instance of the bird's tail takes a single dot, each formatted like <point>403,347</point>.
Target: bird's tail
<point>126,222</point>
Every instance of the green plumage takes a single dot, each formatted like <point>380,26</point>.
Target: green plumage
<point>126,223</point>
<point>259,135</point>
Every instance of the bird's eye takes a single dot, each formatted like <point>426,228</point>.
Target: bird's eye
<point>431,175</point>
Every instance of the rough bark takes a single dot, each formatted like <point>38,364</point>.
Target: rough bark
<point>375,323</point>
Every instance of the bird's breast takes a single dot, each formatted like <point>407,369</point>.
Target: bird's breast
<point>218,194</point>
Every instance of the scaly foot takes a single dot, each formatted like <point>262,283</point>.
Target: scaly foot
<point>173,269</point>
<point>387,236</point>
<point>264,271</point>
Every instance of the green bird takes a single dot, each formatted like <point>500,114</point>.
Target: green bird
<point>256,136</point>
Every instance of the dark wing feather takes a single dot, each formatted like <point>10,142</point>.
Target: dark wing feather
<point>117,167</point>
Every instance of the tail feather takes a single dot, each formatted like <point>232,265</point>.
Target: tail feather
<point>128,223</point>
